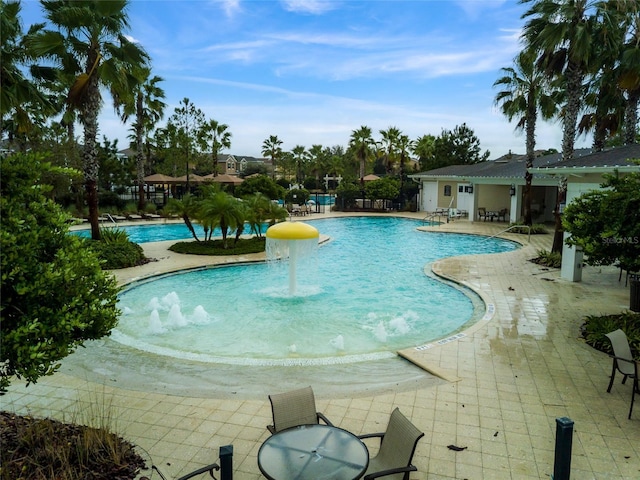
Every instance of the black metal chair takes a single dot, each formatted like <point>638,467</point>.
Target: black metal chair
<point>397,446</point>
<point>297,407</point>
<point>623,362</point>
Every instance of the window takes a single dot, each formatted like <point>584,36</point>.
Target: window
<point>447,190</point>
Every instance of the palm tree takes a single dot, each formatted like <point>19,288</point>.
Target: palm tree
<point>271,148</point>
<point>361,142</point>
<point>390,139</point>
<point>147,105</point>
<point>300,156</point>
<point>525,94</point>
<point>89,42</point>
<point>220,138</point>
<point>187,208</point>
<point>405,145</point>
<point>562,32</point>
<point>424,148</point>
<point>18,95</point>
<point>224,210</point>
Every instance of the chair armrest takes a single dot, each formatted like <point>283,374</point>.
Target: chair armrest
<point>372,435</point>
<point>391,471</point>
<point>620,359</point>
<point>324,419</point>
<point>200,471</point>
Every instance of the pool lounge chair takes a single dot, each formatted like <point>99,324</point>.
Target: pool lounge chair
<point>397,446</point>
<point>623,362</point>
<point>297,407</point>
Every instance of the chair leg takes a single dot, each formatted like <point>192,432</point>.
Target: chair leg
<point>634,390</point>
<point>613,374</point>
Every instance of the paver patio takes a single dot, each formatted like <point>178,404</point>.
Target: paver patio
<point>518,370</point>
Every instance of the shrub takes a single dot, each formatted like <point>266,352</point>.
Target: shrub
<point>596,327</point>
<point>115,250</point>
<point>216,247</point>
<point>548,259</point>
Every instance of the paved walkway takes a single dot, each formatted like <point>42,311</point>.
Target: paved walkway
<point>511,376</point>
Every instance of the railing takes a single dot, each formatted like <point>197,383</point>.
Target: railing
<point>528,227</point>
<point>108,215</point>
<point>435,215</point>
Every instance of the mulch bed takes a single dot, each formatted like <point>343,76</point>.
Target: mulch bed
<point>45,449</point>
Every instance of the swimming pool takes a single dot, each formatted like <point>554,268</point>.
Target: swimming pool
<point>156,232</point>
<point>364,296</point>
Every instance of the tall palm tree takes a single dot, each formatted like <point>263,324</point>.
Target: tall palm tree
<point>390,139</point>
<point>361,142</point>
<point>405,146</point>
<point>220,138</point>
<point>271,148</point>
<point>88,41</point>
<point>562,31</point>
<point>19,96</point>
<point>300,156</point>
<point>147,106</point>
<point>424,148</point>
<point>526,94</point>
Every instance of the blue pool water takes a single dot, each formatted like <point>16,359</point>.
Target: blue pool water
<point>157,233</point>
<point>364,294</point>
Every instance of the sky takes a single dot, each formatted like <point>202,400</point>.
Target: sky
<point>313,71</point>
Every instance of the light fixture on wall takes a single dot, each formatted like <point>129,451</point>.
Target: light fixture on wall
<point>512,190</point>
<point>470,188</point>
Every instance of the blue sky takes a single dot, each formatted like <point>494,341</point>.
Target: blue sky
<point>312,71</point>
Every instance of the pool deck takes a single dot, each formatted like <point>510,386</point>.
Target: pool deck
<point>508,378</point>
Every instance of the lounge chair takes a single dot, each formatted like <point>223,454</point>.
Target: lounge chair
<point>397,446</point>
<point>623,362</point>
<point>297,407</point>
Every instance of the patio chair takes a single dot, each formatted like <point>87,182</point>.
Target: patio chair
<point>623,362</point>
<point>297,407</point>
<point>397,446</point>
<point>502,214</point>
<point>482,213</point>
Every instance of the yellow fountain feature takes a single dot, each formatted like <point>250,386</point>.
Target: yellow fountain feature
<point>292,240</point>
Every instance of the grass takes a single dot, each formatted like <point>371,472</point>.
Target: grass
<point>216,247</point>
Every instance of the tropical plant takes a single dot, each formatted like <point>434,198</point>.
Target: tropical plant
<point>391,148</point>
<point>19,97</point>
<point>260,184</point>
<point>525,95</point>
<point>223,210</point>
<point>423,148</point>
<point>54,295</point>
<point>361,142</point>
<point>89,41</point>
<point>220,138</point>
<point>147,106</point>
<point>187,208</point>
<point>605,224</point>
<point>383,189</point>
<point>271,148</point>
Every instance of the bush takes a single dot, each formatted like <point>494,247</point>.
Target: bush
<point>215,247</point>
<point>548,259</point>
<point>115,250</point>
<point>596,327</point>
